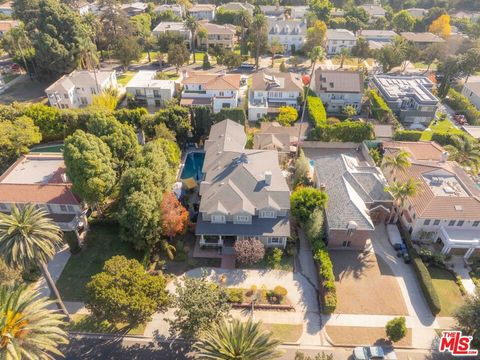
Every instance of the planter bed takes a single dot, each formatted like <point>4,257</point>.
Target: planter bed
<point>264,306</point>
<point>239,297</point>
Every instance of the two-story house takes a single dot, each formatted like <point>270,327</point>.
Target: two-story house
<point>471,90</point>
<point>446,207</point>
<point>291,33</point>
<point>338,39</point>
<point>338,89</point>
<point>202,11</point>
<point>238,7</point>
<point>222,36</point>
<point>243,195</point>
<point>174,8</point>
<point>145,88</point>
<point>173,27</point>
<point>78,88</point>
<point>40,179</point>
<point>215,90</point>
<point>409,97</point>
<point>422,40</point>
<point>134,8</point>
<point>374,11</point>
<point>271,90</point>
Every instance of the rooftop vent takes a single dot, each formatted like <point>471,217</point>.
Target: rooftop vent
<point>459,207</point>
<point>268,178</point>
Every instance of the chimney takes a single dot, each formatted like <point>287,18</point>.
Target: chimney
<point>444,156</point>
<point>64,177</point>
<point>268,178</point>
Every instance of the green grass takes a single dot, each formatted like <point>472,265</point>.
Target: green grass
<point>286,264</point>
<point>102,243</point>
<point>199,55</point>
<point>423,66</point>
<point>169,75</point>
<point>285,332</point>
<point>47,149</point>
<point>448,292</point>
<point>125,77</point>
<point>88,323</point>
<point>441,126</point>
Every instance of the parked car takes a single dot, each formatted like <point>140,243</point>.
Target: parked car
<point>394,236</point>
<point>460,119</point>
<point>372,352</point>
<point>246,66</point>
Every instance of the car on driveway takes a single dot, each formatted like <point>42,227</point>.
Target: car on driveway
<point>372,353</point>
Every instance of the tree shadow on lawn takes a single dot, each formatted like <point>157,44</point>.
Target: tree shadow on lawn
<point>347,263</point>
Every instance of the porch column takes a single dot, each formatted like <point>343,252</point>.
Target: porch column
<point>468,253</point>
<point>220,240</point>
<point>446,249</point>
<point>202,240</point>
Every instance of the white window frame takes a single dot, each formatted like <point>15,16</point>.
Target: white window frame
<point>242,218</point>
<point>218,219</point>
<point>275,240</point>
<point>63,208</point>
<point>265,214</point>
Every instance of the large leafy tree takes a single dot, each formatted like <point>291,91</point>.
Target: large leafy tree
<point>403,21</point>
<point>466,152</point>
<point>232,340</point>
<point>468,318</point>
<point>258,38</point>
<point>28,329</point>
<point>90,166</point>
<point>29,238</point>
<point>177,55</point>
<point>321,8</point>
<point>177,119</point>
<point>305,200</point>
<point>199,303</point>
<point>124,293</point>
<point>174,216</point>
<point>127,49</point>
<point>315,35</point>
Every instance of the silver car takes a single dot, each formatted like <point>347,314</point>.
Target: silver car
<point>372,352</point>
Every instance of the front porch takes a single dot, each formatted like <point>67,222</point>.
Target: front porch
<point>469,240</point>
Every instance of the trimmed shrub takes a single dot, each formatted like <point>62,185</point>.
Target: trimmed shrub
<point>379,107</point>
<point>280,292</point>
<point>396,329</point>
<point>407,135</point>
<point>346,131</point>
<point>274,258</point>
<point>448,138</point>
<point>317,114</point>
<point>235,295</point>
<point>235,114</point>
<point>249,251</point>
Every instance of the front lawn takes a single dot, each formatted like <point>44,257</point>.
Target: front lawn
<point>125,77</point>
<point>286,264</point>
<point>102,243</point>
<point>89,324</point>
<point>440,126</point>
<point>450,296</point>
<point>284,332</point>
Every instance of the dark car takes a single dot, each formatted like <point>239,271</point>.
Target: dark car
<point>246,66</point>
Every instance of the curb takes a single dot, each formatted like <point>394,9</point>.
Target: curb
<point>102,335</point>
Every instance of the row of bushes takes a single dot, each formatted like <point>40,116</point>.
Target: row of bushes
<point>346,131</point>
<point>317,114</point>
<point>380,109</point>
<point>275,296</point>
<point>460,103</point>
<point>407,135</point>
<point>441,137</point>
<point>423,275</point>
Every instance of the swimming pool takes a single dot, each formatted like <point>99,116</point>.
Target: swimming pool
<point>193,166</point>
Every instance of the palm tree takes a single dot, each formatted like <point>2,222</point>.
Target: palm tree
<point>87,58</point>
<point>28,329</point>
<point>343,56</point>
<point>191,24</point>
<point>466,153</point>
<point>29,237</point>
<point>399,162</point>
<point>400,193</point>
<point>236,340</point>
<point>243,19</point>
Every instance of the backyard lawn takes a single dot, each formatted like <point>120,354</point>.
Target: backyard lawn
<point>102,243</point>
<point>441,126</point>
<point>125,77</point>
<point>448,292</point>
<point>53,148</point>
<point>88,323</point>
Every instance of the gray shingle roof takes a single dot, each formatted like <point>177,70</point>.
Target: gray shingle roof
<point>267,227</point>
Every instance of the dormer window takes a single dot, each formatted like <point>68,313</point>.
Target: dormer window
<point>242,218</point>
<point>267,214</point>
<point>218,219</point>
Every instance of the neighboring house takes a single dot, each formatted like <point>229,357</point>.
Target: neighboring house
<point>409,97</point>
<point>175,28</point>
<point>145,88</point>
<point>6,8</point>
<point>472,130</point>
<point>446,209</point>
<point>417,13</point>
<point>175,8</point>
<point>78,88</point>
<point>40,179</point>
<point>422,40</point>
<point>218,91</point>
<point>284,139</point>
<point>338,89</point>
<point>355,188</point>
<point>291,33</point>
<point>336,13</point>
<point>338,39</point>
<point>244,194</point>
<point>7,25</point>
<point>377,35</point>
<point>271,90</point>
<point>222,36</point>
<point>471,90</point>
<point>134,8</point>
<point>374,11</point>
<point>202,12</point>
<point>273,10</point>
<point>237,7</point>
<point>471,15</point>
<point>297,12</point>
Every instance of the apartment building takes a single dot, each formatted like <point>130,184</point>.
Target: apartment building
<point>145,88</point>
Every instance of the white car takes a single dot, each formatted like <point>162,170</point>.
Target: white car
<point>372,353</point>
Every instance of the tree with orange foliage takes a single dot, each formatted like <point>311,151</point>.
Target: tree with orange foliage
<point>174,216</point>
<point>441,26</point>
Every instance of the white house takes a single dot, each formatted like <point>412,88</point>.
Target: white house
<point>175,8</point>
<point>471,90</point>
<point>175,28</point>
<point>291,33</point>
<point>145,88</point>
<point>338,89</point>
<point>215,90</point>
<point>78,88</point>
<point>270,90</point>
<point>338,39</point>
<point>202,11</point>
<point>134,8</point>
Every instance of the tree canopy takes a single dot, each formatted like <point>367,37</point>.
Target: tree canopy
<point>305,200</point>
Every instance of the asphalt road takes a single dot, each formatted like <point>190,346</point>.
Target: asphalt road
<point>115,348</point>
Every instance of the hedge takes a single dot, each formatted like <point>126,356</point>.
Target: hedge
<point>423,275</point>
<point>317,114</point>
<point>407,135</point>
<point>346,131</point>
<point>460,103</point>
<point>448,138</point>
<point>379,107</point>
<point>235,114</point>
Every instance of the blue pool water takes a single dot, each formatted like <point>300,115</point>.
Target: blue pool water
<point>193,166</point>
